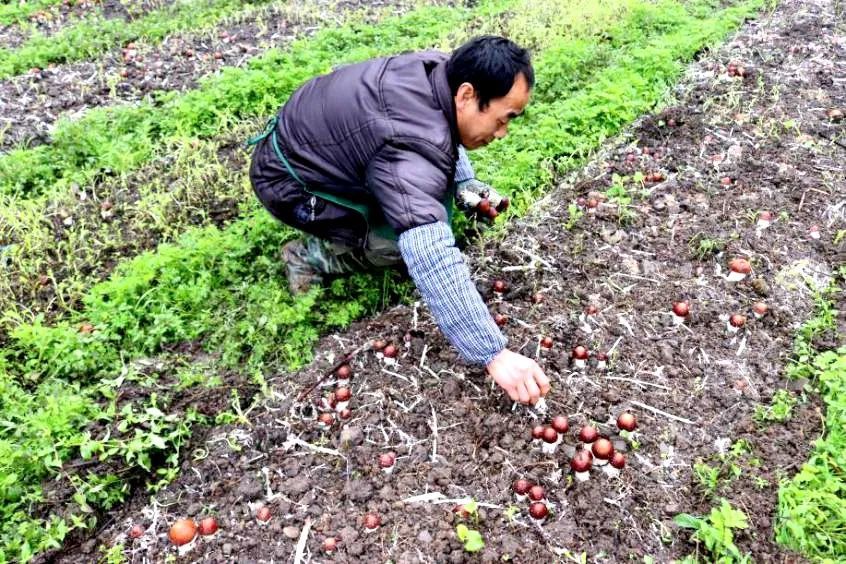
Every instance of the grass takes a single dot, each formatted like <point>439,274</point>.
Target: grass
<point>811,515</point>
<point>12,13</point>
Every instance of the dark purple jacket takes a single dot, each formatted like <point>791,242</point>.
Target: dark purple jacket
<point>381,133</point>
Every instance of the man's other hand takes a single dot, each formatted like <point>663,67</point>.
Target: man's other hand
<point>520,376</point>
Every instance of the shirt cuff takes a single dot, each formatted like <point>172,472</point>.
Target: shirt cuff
<point>439,271</point>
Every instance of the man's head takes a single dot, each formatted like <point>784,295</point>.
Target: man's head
<point>491,79</point>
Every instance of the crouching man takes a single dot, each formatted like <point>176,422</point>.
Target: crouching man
<point>367,161</point>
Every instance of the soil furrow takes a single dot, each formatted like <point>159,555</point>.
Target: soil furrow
<point>31,104</point>
<point>694,387</point>
<point>51,20</point>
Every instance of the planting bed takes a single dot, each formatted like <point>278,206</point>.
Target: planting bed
<point>59,15</point>
<point>32,103</point>
<point>658,224</point>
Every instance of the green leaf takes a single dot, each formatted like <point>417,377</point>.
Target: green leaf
<point>688,521</point>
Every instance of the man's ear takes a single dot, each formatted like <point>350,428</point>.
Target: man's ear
<point>466,94</point>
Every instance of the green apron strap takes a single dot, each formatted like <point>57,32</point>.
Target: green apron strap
<point>268,129</point>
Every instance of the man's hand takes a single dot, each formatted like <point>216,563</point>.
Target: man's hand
<point>520,376</point>
<point>475,196</point>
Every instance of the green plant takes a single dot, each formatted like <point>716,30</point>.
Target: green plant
<point>702,247</point>
<point>716,532</point>
<point>574,214</point>
<point>472,540</point>
<point>779,410</point>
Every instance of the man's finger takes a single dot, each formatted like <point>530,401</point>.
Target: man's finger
<point>532,388</point>
<point>523,392</point>
<point>542,380</point>
<point>511,390</point>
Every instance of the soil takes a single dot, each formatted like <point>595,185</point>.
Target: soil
<point>693,387</point>
<point>31,104</point>
<point>53,19</point>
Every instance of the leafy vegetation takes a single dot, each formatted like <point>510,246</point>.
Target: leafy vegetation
<point>811,515</point>
<point>16,12</point>
<point>715,532</point>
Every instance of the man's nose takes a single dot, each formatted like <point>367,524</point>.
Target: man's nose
<point>501,132</point>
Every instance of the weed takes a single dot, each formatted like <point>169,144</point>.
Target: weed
<point>779,410</point>
<point>716,533</point>
<point>702,247</point>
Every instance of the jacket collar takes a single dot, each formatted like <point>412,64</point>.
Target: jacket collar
<point>444,99</point>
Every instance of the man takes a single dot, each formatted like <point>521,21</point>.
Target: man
<point>367,161</point>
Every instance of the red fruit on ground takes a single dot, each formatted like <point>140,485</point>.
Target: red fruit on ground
<point>602,449</point>
<point>582,461</point>
<point>546,342</point>
<point>618,461</point>
<point>537,431</point>
<point>560,424</point>
<point>627,421</point>
<point>390,351</point>
<point>521,487</point>
<point>263,514</point>
<point>343,394</point>
<point>208,526</point>
<point>343,372</point>
<point>550,435</point>
<point>580,353</point>
<point>182,532</point>
<point>499,286</point>
<point>136,531</point>
<point>372,521</point>
<point>387,459</point>
<point>737,320</point>
<point>740,265</point>
<point>537,493</point>
<point>588,434</point>
<point>682,309</point>
<point>538,510</point>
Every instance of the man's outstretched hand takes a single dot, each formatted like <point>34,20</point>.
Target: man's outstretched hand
<point>520,376</point>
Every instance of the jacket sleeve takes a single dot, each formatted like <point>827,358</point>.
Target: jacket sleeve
<point>439,271</point>
<point>409,187</point>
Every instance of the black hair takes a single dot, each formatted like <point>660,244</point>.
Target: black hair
<point>491,64</point>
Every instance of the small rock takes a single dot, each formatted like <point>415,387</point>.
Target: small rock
<point>672,509</point>
<point>424,536</point>
<point>227,548</point>
<point>291,532</point>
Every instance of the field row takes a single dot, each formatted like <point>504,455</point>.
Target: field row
<point>225,289</point>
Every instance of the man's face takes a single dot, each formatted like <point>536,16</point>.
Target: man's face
<point>477,127</point>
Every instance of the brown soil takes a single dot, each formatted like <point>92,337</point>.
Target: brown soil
<point>31,104</point>
<point>694,387</point>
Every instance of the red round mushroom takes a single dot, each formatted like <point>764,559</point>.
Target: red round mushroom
<point>372,521</point>
<point>500,319</point>
<point>537,298</point>
<point>618,460</point>
<point>136,531</point>
<point>740,265</point>
<point>726,181</point>
<point>581,464</point>
<point>182,531</point>
<point>537,432</point>
<point>387,460</point>
<point>390,351</point>
<point>325,419</point>
<point>546,342</point>
<point>591,310</point>
<point>537,493</point>
<point>343,394</point>
<point>484,206</point>
<point>345,413</point>
<point>835,114</point>
<point>330,544</point>
<point>737,320</point>
<point>560,424</point>
<point>588,434</point>
<point>602,448</point>
<point>343,372</point>
<point>263,514</point>
<point>681,309</point>
<point>208,526</point>
<point>580,353</point>
<point>627,421</point>
<point>499,286</point>
<point>550,435</point>
<point>760,309</point>
<point>521,487</point>
<point>379,344</point>
<point>538,511</point>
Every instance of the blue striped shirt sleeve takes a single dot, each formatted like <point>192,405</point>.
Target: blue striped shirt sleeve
<point>439,271</point>
<point>463,168</point>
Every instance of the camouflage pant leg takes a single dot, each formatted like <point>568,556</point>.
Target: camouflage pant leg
<point>334,258</point>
